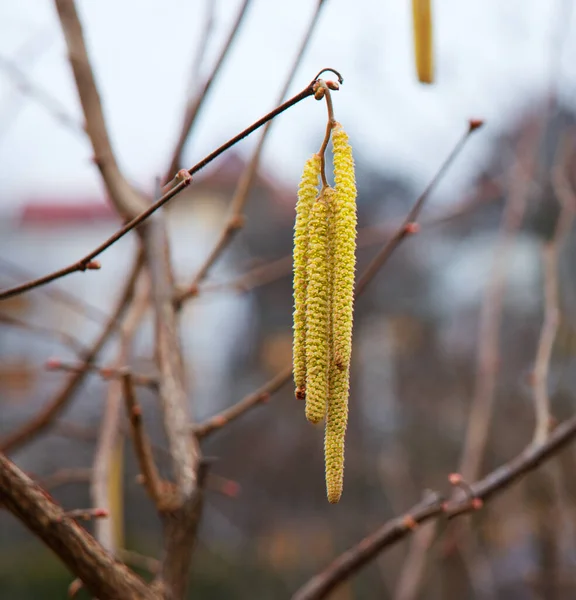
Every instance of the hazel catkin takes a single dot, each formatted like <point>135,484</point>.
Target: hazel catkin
<point>343,240</point>
<point>307,193</point>
<point>318,307</point>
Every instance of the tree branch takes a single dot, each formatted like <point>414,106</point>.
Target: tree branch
<point>103,576</point>
<point>42,420</point>
<point>433,507</point>
<point>83,263</point>
<point>126,200</point>
<point>196,102</point>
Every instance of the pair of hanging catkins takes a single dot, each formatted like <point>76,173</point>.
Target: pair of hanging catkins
<point>324,264</point>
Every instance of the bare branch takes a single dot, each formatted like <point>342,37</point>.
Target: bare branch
<point>433,507</point>
<point>195,103</point>
<point>64,477</point>
<point>550,251</point>
<point>65,338</point>
<point>406,228</point>
<point>42,420</point>
<point>103,576</point>
<point>126,200</point>
<point>107,446</point>
<point>284,376</point>
<point>54,364</point>
<point>491,313</point>
<point>235,219</point>
<point>151,478</point>
<point>83,263</point>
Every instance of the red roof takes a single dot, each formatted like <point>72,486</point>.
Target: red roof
<point>50,212</point>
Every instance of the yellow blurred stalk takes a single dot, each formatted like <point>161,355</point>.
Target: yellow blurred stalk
<point>423,52</point>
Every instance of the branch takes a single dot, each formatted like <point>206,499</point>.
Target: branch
<point>151,479</point>
<point>550,253</point>
<point>488,353</point>
<point>103,576</point>
<point>406,228</point>
<point>42,420</point>
<point>433,507</point>
<point>57,294</point>
<point>235,218</point>
<point>55,364</point>
<point>277,382</point>
<point>195,104</point>
<point>181,521</point>
<point>109,439</point>
<point>65,338</point>
<point>126,200</point>
<point>85,262</point>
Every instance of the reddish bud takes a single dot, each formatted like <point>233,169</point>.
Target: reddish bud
<point>477,503</point>
<point>409,522</point>
<point>319,93</point>
<point>53,363</point>
<point>230,488</point>
<point>100,513</point>
<point>333,85</point>
<point>474,124</point>
<point>93,265</point>
<point>264,398</point>
<point>455,478</point>
<point>184,177</point>
<point>412,228</point>
<point>219,421</point>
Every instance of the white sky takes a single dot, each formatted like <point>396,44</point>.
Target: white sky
<point>493,59</point>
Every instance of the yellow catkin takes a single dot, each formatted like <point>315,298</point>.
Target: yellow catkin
<point>423,50</point>
<point>318,309</point>
<point>307,193</point>
<point>344,264</point>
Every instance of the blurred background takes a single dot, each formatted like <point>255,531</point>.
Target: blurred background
<point>450,327</point>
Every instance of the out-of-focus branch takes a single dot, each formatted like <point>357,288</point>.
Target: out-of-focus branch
<point>104,577</point>
<point>435,506</point>
<point>196,102</point>
<point>41,96</point>
<point>260,396</point>
<point>372,235</point>
<point>406,228</point>
<point>151,479</point>
<point>57,294</point>
<point>108,439</point>
<point>44,418</point>
<point>126,200</point>
<point>88,262</point>
<point>181,521</point>
<point>235,219</point>
<point>65,338</point>
<point>64,477</point>
<point>491,313</point>
<point>550,252</point>
<point>278,381</point>
<point>54,364</point>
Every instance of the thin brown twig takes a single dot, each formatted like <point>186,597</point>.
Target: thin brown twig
<point>126,200</point>
<point>41,96</point>
<point>278,381</point>
<point>101,574</point>
<point>550,252</point>
<point>82,264</point>
<point>138,379</point>
<point>65,338</point>
<point>195,103</point>
<point>434,507</point>
<point>140,561</point>
<point>109,434</point>
<point>65,476</point>
<point>57,293</point>
<point>235,220</point>
<point>406,229</point>
<point>488,354</point>
<point>44,418</point>
<point>151,478</point>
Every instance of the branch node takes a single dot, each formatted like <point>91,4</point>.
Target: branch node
<point>474,124</point>
<point>184,177</point>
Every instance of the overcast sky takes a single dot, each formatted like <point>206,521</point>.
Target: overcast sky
<point>493,58</point>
